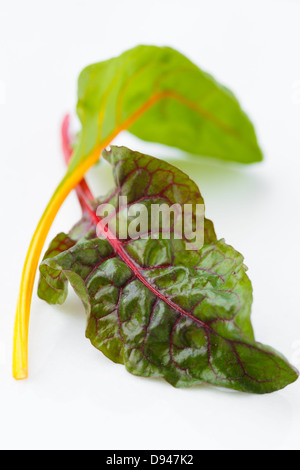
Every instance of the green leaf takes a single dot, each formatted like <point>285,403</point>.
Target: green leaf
<point>161,96</point>
<point>58,293</point>
<point>162,310</point>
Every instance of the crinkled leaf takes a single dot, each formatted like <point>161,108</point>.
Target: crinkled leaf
<point>161,96</point>
<point>51,277</point>
<point>54,277</point>
<point>161,310</point>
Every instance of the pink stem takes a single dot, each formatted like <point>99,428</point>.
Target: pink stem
<point>136,270</point>
<point>67,152</point>
<point>85,197</point>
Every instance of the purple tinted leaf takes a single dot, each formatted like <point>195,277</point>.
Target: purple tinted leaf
<point>159,309</point>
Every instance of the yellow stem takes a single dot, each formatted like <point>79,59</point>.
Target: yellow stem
<point>71,180</point>
<point>20,346</point>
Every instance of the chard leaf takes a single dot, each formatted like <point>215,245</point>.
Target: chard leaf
<point>161,96</point>
<point>159,309</point>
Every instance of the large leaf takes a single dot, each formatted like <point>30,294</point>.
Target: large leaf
<point>161,96</point>
<point>160,309</point>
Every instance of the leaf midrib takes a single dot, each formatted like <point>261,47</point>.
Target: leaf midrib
<point>117,246</point>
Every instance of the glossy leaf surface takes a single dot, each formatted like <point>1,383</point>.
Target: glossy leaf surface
<point>159,309</point>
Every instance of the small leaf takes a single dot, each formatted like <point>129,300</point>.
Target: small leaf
<point>164,311</point>
<point>161,96</point>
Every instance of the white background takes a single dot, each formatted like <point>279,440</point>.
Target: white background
<point>75,397</point>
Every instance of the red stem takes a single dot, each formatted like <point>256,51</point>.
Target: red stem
<point>119,249</point>
<point>85,197</point>
<point>67,152</point>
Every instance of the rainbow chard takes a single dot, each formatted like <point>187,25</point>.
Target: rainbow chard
<point>158,95</point>
<point>153,305</point>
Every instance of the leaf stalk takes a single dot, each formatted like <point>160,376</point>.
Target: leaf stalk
<point>21,330</point>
